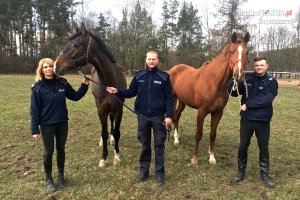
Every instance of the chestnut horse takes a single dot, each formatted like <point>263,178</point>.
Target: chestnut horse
<point>83,48</point>
<point>205,89</point>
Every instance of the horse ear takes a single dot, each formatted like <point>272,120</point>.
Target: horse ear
<point>234,37</point>
<point>75,26</point>
<point>83,30</point>
<point>247,37</point>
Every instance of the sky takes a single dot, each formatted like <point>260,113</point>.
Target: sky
<point>275,6</point>
<point>262,12</point>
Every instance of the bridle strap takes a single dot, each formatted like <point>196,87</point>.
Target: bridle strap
<point>235,62</point>
<point>84,56</point>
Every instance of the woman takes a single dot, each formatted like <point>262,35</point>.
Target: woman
<point>49,116</point>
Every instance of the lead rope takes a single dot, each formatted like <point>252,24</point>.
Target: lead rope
<point>168,128</point>
<point>236,88</point>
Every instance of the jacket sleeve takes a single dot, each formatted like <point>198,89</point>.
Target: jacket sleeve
<point>169,98</point>
<point>130,92</point>
<point>266,97</point>
<point>35,107</point>
<point>76,95</point>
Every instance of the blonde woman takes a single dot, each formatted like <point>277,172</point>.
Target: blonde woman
<point>49,116</point>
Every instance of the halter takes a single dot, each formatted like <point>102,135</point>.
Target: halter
<point>232,63</point>
<point>86,56</point>
<point>235,62</point>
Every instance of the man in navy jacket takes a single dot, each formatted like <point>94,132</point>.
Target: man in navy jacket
<point>258,92</point>
<point>154,108</point>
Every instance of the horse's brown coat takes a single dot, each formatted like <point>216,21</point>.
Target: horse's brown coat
<point>84,47</point>
<point>205,88</point>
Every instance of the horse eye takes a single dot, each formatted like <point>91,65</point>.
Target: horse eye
<point>76,45</point>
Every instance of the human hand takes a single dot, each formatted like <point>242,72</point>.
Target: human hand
<point>168,121</point>
<point>36,136</point>
<point>244,107</point>
<point>111,90</point>
<point>86,81</point>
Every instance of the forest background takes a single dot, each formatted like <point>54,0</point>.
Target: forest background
<point>32,29</point>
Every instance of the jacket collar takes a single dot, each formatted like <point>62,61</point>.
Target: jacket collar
<point>155,69</point>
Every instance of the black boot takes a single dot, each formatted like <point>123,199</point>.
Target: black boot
<point>61,182</point>
<point>50,184</point>
<point>265,178</point>
<point>239,177</point>
<point>264,172</point>
<point>242,164</point>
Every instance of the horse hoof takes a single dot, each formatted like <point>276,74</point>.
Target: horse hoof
<point>194,162</point>
<point>117,160</point>
<point>212,161</point>
<point>102,163</point>
<point>176,142</point>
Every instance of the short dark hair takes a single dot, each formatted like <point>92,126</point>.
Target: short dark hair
<point>259,59</point>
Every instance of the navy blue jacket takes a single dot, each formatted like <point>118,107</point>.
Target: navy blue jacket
<point>49,106</point>
<point>153,90</point>
<point>261,90</point>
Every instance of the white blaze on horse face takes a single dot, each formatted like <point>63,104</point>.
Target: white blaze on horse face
<point>54,67</point>
<point>240,50</point>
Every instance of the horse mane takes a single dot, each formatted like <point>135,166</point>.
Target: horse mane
<point>224,51</point>
<point>104,48</point>
<point>101,45</point>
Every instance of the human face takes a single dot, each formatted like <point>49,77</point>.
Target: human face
<point>260,67</point>
<point>48,71</point>
<point>151,60</point>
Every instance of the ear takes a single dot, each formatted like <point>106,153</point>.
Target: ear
<point>83,30</point>
<point>75,26</point>
<point>234,37</point>
<point>247,37</point>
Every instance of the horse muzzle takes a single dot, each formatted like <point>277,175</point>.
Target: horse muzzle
<point>238,77</point>
<point>61,66</point>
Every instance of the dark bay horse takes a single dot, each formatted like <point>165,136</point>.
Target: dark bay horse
<point>205,89</point>
<point>83,48</point>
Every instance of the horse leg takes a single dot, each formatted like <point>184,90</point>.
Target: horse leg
<point>117,135</point>
<point>198,136</point>
<point>112,140</point>
<point>177,115</point>
<point>215,119</point>
<point>112,130</point>
<point>104,135</point>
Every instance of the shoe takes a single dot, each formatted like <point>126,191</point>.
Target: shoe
<point>142,177</point>
<point>50,185</point>
<point>160,181</point>
<point>61,182</point>
<point>267,181</point>
<point>239,177</point>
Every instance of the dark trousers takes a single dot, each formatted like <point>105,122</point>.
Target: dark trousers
<point>262,132</point>
<point>144,136</point>
<point>59,132</point>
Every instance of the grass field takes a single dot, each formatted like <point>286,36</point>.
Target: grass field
<point>21,170</point>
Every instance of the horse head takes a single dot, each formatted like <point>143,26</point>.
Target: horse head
<point>239,53</point>
<point>76,53</point>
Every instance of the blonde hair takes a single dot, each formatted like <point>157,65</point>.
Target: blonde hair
<point>39,71</point>
<point>152,52</point>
